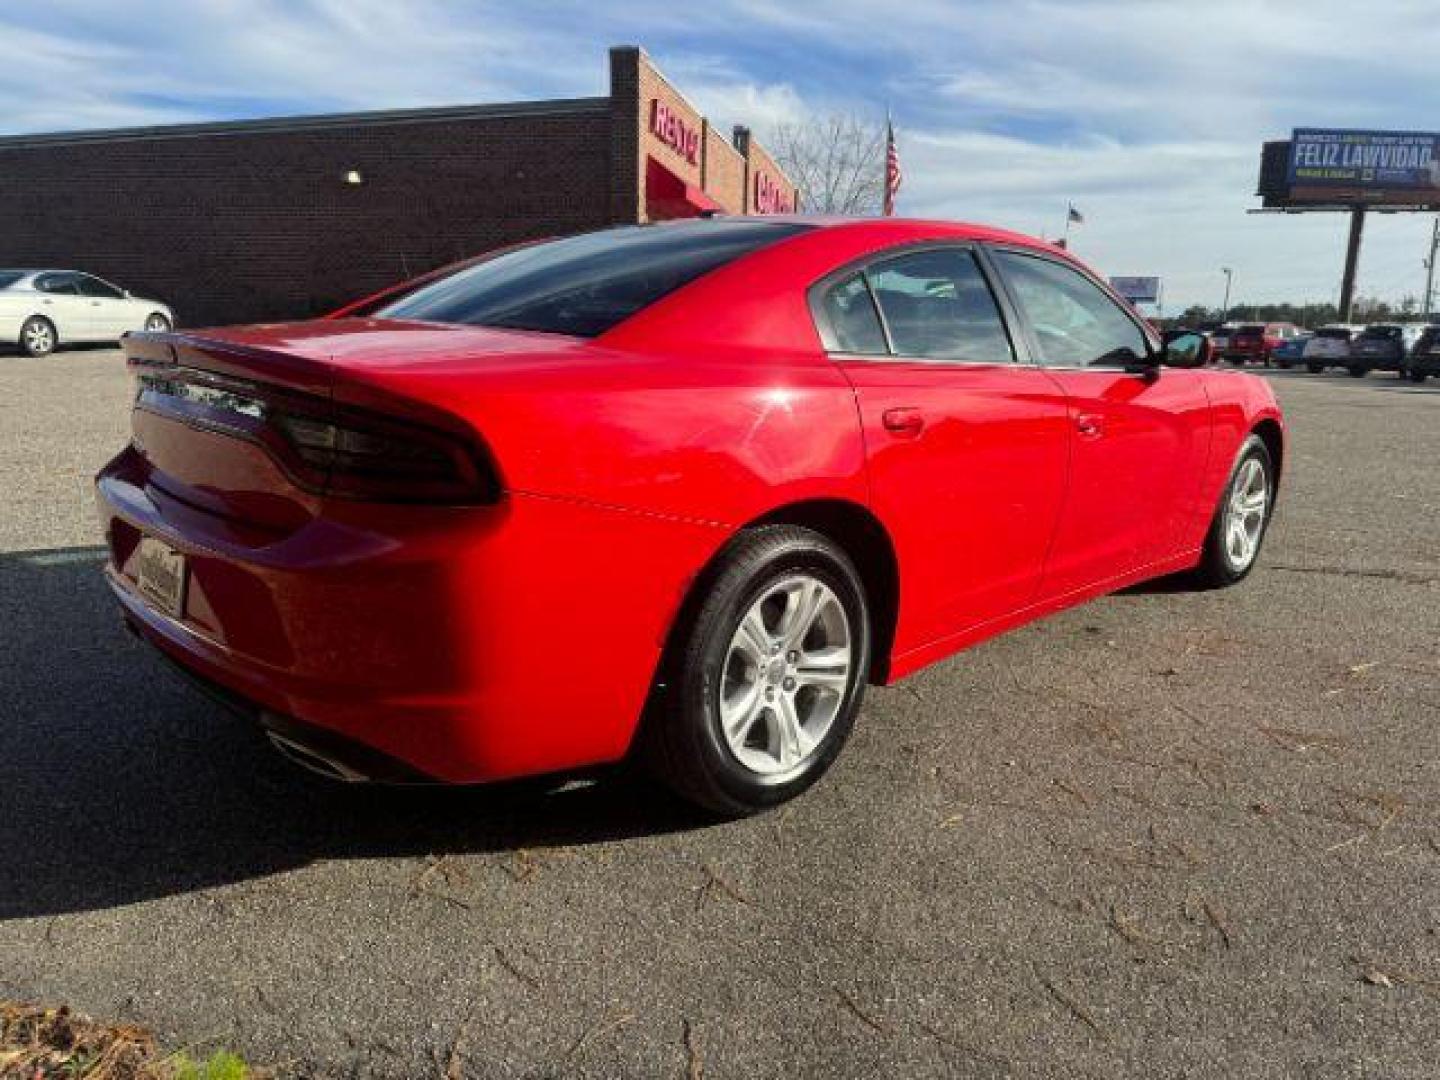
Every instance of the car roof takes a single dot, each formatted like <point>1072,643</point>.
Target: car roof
<point>959,230</point>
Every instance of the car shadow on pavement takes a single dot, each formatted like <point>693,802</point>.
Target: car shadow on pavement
<point>121,783</point>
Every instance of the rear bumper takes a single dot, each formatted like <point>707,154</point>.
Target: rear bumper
<point>461,644</point>
<point>1377,361</point>
<point>317,748</point>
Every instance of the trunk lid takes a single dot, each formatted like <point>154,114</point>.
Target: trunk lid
<point>242,422</point>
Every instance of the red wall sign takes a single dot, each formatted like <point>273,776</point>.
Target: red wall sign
<point>771,197</point>
<point>667,126</point>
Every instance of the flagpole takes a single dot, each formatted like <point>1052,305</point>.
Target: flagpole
<point>1066,234</point>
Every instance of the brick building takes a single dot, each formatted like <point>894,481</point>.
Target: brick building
<point>270,219</point>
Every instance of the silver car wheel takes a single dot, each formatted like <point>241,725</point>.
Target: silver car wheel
<point>786,673</point>
<point>1245,514</point>
<point>156,323</point>
<point>39,337</point>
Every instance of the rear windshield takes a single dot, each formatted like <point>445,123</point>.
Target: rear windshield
<point>1334,332</point>
<point>584,285</point>
<point>10,277</point>
<point>1250,330</point>
<point>1430,335</point>
<point>1386,332</point>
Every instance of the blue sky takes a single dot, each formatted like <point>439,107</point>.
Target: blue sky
<point>1147,114</point>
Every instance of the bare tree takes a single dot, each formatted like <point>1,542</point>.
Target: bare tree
<point>837,162</point>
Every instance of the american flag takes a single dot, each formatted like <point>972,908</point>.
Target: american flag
<point>892,168</point>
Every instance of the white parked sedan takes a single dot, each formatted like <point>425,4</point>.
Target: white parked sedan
<point>40,309</point>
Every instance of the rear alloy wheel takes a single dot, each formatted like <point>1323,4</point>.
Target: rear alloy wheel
<point>1242,517</point>
<point>764,683</point>
<point>157,323</point>
<point>37,336</point>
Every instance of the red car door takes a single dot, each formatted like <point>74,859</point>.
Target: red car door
<point>966,447</point>
<point>1139,435</point>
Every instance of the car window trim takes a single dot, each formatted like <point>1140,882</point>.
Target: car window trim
<point>1146,334</point>
<point>1022,355</point>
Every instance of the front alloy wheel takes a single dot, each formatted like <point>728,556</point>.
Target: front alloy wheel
<point>761,683</point>
<point>1238,528</point>
<point>157,323</point>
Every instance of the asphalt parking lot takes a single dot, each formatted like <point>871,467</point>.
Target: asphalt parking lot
<point>1167,834</point>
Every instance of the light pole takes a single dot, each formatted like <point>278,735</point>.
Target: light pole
<point>1225,307</point>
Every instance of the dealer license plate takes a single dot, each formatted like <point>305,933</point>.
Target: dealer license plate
<point>161,576</point>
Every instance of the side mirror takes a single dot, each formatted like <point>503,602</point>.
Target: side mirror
<point>1186,351</point>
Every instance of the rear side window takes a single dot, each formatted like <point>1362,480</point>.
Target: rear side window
<point>57,283</point>
<point>10,277</point>
<point>1075,323</point>
<point>584,285</point>
<point>1333,334</point>
<point>852,324</point>
<point>937,305</point>
<point>1382,333</point>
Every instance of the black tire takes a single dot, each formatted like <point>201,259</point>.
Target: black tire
<point>156,322</point>
<point>1315,369</point>
<point>1283,365</point>
<point>1217,569</point>
<point>682,741</point>
<point>38,336</point>
<point>1417,376</point>
<point>1358,371</point>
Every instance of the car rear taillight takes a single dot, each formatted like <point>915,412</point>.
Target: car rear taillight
<point>326,448</point>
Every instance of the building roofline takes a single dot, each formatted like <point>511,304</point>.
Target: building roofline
<point>321,122</point>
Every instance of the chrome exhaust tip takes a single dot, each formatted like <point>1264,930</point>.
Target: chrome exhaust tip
<point>312,761</point>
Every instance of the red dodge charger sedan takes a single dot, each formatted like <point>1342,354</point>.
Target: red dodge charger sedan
<point>684,489</point>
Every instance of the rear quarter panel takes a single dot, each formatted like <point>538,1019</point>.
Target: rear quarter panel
<point>722,436</point>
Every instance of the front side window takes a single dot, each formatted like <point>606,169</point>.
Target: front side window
<point>1075,323</point>
<point>937,305</point>
<point>584,285</point>
<point>92,286</point>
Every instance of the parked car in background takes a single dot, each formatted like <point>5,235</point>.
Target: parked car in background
<point>1219,335</point>
<point>1253,343</point>
<point>1329,347</point>
<point>1382,347</point>
<point>722,472</point>
<point>1291,351</point>
<point>43,309</point>
<point>1425,355</point>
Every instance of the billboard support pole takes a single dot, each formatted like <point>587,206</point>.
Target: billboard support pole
<point>1352,261</point>
<point>1429,304</point>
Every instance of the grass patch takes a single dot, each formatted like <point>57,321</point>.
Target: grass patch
<point>37,1043</point>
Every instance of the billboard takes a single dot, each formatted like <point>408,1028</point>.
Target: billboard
<point>1378,162</point>
<point>1137,290</point>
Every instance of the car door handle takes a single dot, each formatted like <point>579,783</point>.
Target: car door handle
<point>906,421</point>
<point>1089,425</point>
